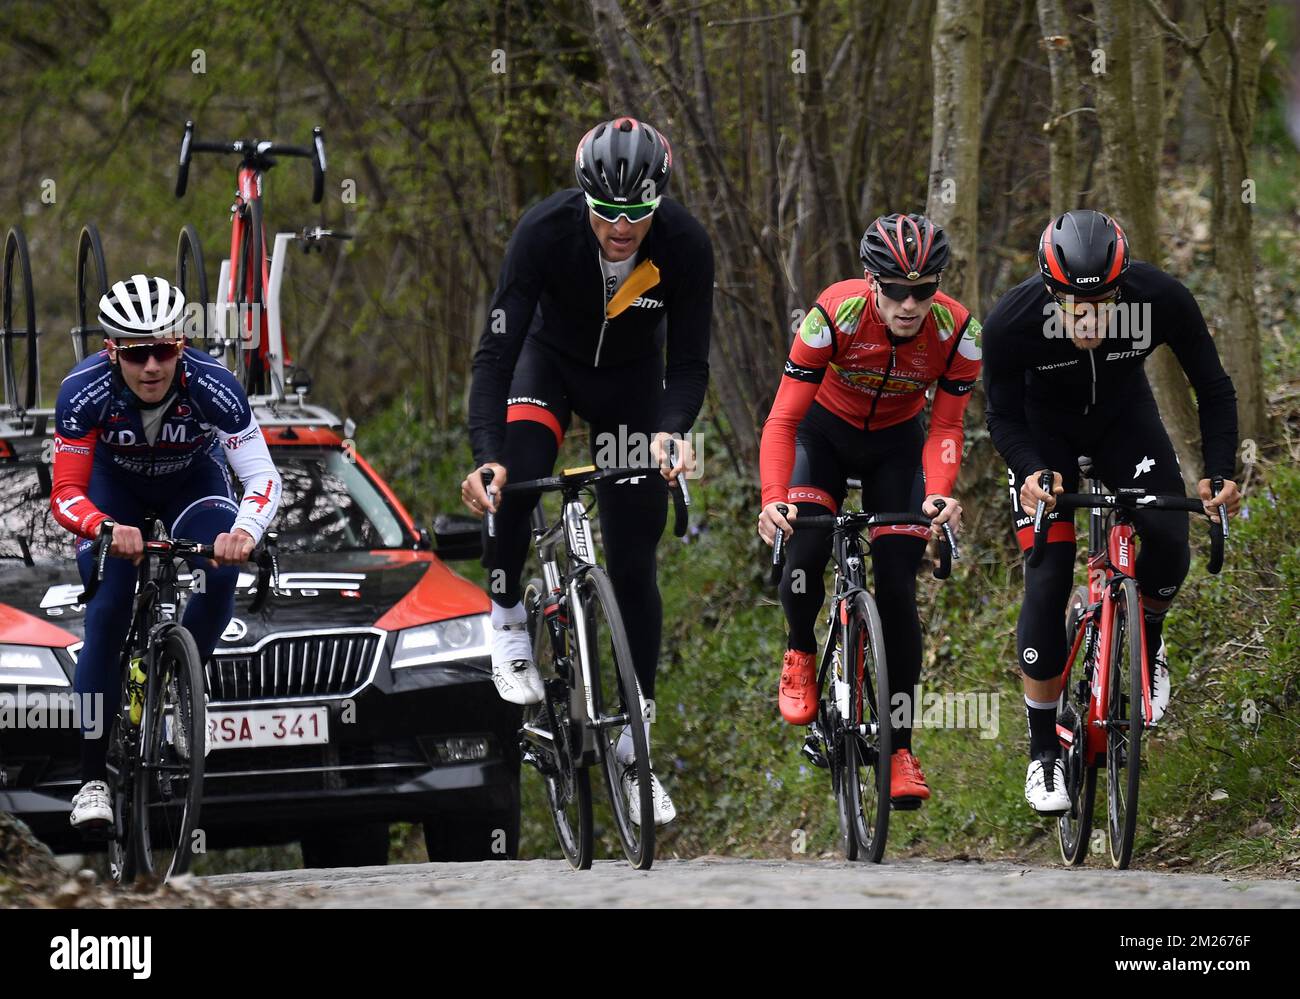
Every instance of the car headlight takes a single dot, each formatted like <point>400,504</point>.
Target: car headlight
<point>30,666</point>
<point>443,641</point>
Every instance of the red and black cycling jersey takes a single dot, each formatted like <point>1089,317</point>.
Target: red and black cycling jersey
<point>1032,368</point>
<point>846,359</point>
<point>552,288</point>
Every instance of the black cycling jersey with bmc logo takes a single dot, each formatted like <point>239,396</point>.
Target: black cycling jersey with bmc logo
<point>552,289</point>
<point>1033,373</point>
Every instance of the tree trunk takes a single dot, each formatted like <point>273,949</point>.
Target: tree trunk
<point>1062,127</point>
<point>1132,184</point>
<point>954,145</point>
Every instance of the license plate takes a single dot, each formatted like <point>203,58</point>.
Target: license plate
<point>268,727</point>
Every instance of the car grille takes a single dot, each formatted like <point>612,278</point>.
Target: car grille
<point>294,666</point>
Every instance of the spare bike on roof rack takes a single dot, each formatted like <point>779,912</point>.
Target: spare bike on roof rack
<point>22,393</point>
<point>250,280</point>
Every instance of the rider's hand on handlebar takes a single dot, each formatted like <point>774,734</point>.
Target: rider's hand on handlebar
<point>770,521</point>
<point>1228,496</point>
<point>127,543</point>
<point>233,548</point>
<point>950,514</point>
<point>1031,494</point>
<point>659,455</point>
<point>475,496</point>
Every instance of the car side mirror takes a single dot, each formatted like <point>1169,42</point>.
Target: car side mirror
<point>457,537</point>
<point>423,541</point>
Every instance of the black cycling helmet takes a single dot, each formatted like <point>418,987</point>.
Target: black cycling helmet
<point>903,246</point>
<point>1083,254</point>
<point>623,161</point>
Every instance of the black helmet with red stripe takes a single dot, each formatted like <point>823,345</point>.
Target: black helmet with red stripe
<point>623,161</point>
<point>903,246</point>
<point>1083,254</point>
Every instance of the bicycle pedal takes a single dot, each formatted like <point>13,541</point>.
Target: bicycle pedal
<point>909,804</point>
<point>813,751</point>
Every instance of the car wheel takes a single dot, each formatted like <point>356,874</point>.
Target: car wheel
<point>471,836</point>
<point>364,845</point>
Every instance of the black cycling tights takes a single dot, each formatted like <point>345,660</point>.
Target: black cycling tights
<point>827,451</point>
<point>633,512</point>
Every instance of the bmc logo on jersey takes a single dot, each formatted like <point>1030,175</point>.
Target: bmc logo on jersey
<point>646,303</point>
<point>1115,355</point>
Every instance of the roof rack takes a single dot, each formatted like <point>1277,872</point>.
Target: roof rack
<point>18,422</point>
<point>274,411</point>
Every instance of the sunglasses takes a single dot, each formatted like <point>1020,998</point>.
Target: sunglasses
<point>1073,307</point>
<point>140,353</point>
<point>610,212</point>
<point>901,292</point>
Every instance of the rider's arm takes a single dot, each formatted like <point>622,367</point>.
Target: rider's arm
<point>690,318</point>
<point>813,347</point>
<point>511,312</point>
<point>76,429</point>
<point>221,400</point>
<point>1004,394</point>
<point>942,455</point>
<point>250,459</point>
<point>1216,399</point>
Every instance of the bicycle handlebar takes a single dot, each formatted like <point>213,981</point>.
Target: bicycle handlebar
<point>1132,499</point>
<point>264,556</point>
<point>255,149</point>
<point>946,545</point>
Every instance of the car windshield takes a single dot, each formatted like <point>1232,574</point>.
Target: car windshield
<point>329,505</point>
<point>26,524</point>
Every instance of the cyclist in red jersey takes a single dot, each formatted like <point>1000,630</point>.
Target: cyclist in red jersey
<point>850,405</point>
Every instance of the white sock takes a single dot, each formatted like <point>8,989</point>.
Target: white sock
<point>508,615</point>
<point>625,751</point>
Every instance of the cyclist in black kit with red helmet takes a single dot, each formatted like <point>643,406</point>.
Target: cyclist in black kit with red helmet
<point>1063,356</point>
<point>596,282</point>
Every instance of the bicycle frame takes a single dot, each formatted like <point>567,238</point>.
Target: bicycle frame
<point>1112,554</point>
<point>848,558</point>
<point>249,189</point>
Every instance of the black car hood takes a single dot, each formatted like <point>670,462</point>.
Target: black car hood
<point>316,591</point>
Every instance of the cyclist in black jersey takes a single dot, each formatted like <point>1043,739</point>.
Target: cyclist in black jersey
<point>597,282</point>
<point>1063,356</point>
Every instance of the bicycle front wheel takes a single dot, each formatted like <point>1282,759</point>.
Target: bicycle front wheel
<point>553,741</point>
<point>168,786</point>
<point>1125,717</point>
<point>868,736</point>
<point>615,696</point>
<point>1074,827</point>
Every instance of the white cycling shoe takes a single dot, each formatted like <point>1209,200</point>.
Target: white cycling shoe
<point>1160,686</point>
<point>1045,788</point>
<point>664,810</point>
<point>91,806</point>
<point>513,670</point>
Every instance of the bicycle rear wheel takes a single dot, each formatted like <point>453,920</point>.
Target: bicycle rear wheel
<point>168,786</point>
<point>567,780</point>
<point>616,698</point>
<point>192,280</point>
<point>868,736</point>
<point>1074,827</point>
<point>1125,717</point>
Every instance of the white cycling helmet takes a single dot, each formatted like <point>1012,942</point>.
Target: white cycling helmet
<point>142,306</point>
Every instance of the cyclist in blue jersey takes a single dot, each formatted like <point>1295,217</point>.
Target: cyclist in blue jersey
<point>140,428</point>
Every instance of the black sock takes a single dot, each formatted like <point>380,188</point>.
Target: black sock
<point>1043,740</point>
<point>94,759</point>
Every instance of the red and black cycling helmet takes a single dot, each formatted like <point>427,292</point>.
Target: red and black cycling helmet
<point>1082,254</point>
<point>623,161</point>
<point>903,246</point>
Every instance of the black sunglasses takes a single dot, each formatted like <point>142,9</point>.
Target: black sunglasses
<point>140,353</point>
<point>901,292</point>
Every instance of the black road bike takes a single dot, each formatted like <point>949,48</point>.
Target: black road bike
<point>851,736</point>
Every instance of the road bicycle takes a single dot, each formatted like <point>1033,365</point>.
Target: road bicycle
<point>581,649</point>
<point>851,735</point>
<point>249,275</point>
<point>1105,701</point>
<point>158,740</point>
